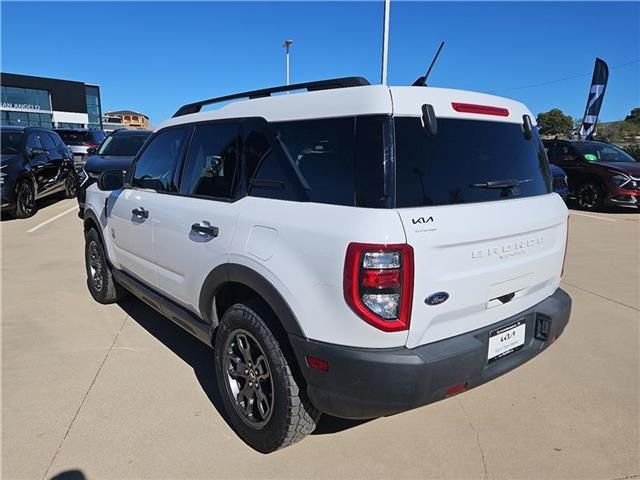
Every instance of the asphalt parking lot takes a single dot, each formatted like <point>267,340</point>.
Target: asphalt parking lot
<point>119,392</point>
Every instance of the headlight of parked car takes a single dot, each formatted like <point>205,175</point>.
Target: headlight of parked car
<point>2,174</point>
<point>620,180</point>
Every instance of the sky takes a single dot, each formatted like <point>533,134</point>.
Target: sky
<point>153,57</point>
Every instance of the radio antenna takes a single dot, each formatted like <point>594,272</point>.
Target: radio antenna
<point>422,81</point>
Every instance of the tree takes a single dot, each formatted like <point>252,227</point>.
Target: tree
<point>634,116</point>
<point>554,122</point>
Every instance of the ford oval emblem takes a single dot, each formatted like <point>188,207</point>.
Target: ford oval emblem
<point>437,298</point>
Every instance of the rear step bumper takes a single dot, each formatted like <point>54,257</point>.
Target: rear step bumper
<point>367,383</point>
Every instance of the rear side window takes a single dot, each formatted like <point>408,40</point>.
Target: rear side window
<point>323,151</point>
<point>156,165</point>
<point>268,174</point>
<point>467,161</point>
<point>211,167</point>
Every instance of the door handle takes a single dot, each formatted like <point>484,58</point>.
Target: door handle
<point>205,229</point>
<point>140,212</point>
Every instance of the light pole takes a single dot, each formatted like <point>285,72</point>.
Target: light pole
<point>287,45</point>
<point>385,41</point>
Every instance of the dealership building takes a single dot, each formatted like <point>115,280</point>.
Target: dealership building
<point>49,102</point>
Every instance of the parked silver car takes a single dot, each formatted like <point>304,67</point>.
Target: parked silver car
<point>80,141</point>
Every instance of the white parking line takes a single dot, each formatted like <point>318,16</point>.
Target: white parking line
<point>31,230</point>
<point>593,216</point>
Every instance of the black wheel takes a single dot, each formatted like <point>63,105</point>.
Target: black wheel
<point>25,200</point>
<point>590,196</point>
<point>264,401</point>
<point>70,185</point>
<point>99,278</point>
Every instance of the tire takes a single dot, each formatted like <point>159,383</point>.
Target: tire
<point>278,412</point>
<point>25,200</point>
<point>100,281</point>
<point>70,186</point>
<point>590,196</point>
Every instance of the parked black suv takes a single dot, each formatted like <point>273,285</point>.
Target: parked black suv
<point>599,173</point>
<point>116,152</point>
<point>35,163</point>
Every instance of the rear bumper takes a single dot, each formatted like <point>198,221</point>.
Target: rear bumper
<point>368,383</point>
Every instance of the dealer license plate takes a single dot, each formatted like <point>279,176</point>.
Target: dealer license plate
<point>506,340</point>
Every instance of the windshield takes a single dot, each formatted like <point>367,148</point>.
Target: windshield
<point>467,161</point>
<point>122,145</point>
<point>602,152</point>
<point>11,142</point>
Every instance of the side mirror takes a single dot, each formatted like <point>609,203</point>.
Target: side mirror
<point>92,151</point>
<point>111,180</point>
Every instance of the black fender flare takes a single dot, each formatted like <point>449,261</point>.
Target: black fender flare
<point>235,273</point>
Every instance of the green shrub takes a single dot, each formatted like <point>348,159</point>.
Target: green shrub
<point>634,151</point>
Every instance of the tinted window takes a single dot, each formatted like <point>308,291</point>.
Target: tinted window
<point>46,141</point>
<point>155,167</point>
<point>123,145</point>
<point>56,139</point>
<point>33,141</point>
<point>11,142</point>
<point>211,167</point>
<point>323,152</point>
<point>74,137</point>
<point>97,136</point>
<point>268,174</point>
<point>602,152</point>
<point>455,165</point>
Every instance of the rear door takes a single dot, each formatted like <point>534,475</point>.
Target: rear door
<point>476,206</point>
<point>194,229</point>
<point>43,171</point>
<point>135,209</point>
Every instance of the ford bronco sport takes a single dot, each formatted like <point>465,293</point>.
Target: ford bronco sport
<point>355,249</point>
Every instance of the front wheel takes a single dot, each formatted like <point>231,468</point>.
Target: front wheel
<point>265,403</point>
<point>590,196</point>
<point>25,200</point>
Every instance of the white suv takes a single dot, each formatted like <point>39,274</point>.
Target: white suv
<point>356,249</point>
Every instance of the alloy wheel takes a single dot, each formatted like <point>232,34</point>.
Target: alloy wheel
<point>588,196</point>
<point>70,186</point>
<point>249,382</point>
<point>95,265</point>
<point>26,199</point>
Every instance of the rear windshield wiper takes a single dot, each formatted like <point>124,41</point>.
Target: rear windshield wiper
<point>508,183</point>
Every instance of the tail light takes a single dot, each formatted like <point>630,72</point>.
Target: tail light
<point>566,245</point>
<point>378,284</point>
<point>480,109</point>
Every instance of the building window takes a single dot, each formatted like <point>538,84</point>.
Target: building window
<point>93,108</point>
<point>25,98</point>
<point>26,119</point>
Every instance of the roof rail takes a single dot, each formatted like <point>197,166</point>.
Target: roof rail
<point>344,82</point>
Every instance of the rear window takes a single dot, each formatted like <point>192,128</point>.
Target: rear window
<point>467,161</point>
<point>122,145</point>
<point>71,137</point>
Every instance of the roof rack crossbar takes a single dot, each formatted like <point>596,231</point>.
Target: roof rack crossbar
<point>344,82</point>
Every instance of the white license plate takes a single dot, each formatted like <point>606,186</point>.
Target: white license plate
<point>506,340</point>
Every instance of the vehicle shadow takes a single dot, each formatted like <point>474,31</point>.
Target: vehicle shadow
<point>200,358</point>
<point>41,204</point>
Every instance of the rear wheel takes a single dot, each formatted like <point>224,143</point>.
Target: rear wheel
<point>25,200</point>
<point>100,281</point>
<point>265,403</point>
<point>590,196</point>
<point>70,185</point>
